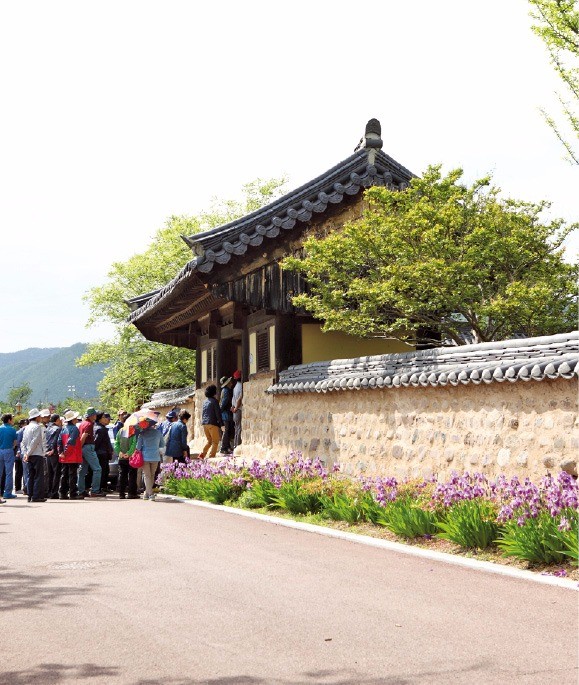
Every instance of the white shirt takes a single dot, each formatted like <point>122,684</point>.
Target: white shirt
<point>237,394</point>
<point>34,440</point>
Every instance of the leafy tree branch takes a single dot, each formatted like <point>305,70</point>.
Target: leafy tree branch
<point>442,261</point>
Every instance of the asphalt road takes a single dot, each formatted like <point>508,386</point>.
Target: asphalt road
<point>140,593</point>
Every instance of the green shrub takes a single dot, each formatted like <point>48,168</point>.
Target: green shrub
<point>219,489</point>
<point>261,495</point>
<point>170,486</point>
<point>405,518</point>
<point>470,524</point>
<point>340,507</point>
<point>372,510</point>
<point>297,498</point>
<point>192,488</point>
<point>539,540</point>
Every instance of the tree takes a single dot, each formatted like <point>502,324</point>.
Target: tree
<point>138,367</point>
<point>20,394</point>
<point>558,26</point>
<point>439,256</point>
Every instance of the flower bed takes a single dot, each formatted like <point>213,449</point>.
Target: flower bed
<point>535,523</point>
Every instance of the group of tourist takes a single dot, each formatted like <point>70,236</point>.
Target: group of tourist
<point>49,456</point>
<point>221,420</point>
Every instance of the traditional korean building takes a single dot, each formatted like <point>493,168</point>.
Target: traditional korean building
<point>232,302</point>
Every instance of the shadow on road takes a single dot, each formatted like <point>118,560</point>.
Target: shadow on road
<point>58,674</point>
<point>54,674</point>
<point>335,677</point>
<point>19,590</point>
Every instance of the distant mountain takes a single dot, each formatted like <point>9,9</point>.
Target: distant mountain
<point>50,371</point>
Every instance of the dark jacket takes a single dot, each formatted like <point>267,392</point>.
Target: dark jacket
<point>176,440</point>
<point>102,442</point>
<point>52,433</point>
<point>211,413</point>
<point>225,404</point>
<point>117,427</point>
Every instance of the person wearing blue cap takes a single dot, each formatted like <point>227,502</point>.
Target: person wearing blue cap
<point>170,417</point>
<point>176,439</point>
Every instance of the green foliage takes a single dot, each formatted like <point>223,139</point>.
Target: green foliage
<point>406,518</point>
<point>539,540</point>
<point>191,488</point>
<point>220,489</point>
<point>138,367</point>
<point>470,524</point>
<point>80,405</point>
<point>557,24</point>
<point>340,507</point>
<point>20,394</point>
<point>443,257</point>
<point>297,498</point>
<point>171,486</point>
<point>262,494</point>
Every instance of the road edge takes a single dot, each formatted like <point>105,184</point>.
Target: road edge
<point>456,560</point>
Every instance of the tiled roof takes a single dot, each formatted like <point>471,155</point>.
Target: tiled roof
<point>169,398</point>
<point>368,166</point>
<point>526,359</point>
<point>331,188</point>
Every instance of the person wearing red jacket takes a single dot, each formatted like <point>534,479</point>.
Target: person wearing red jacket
<point>70,456</point>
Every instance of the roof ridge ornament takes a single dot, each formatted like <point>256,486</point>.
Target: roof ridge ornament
<point>372,140</point>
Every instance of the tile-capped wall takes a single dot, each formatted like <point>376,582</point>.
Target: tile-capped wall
<point>524,428</point>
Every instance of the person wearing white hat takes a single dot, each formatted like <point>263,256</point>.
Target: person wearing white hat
<point>33,449</point>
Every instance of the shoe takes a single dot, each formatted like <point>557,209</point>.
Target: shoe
<point>10,496</point>
<point>98,494</point>
<point>39,499</point>
<point>84,493</point>
<point>62,497</point>
<point>2,501</point>
<point>145,496</point>
<point>133,497</point>
<point>30,499</point>
<point>76,497</point>
<point>122,495</point>
<point>153,497</point>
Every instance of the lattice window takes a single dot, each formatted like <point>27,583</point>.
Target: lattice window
<point>263,350</point>
<point>211,368</point>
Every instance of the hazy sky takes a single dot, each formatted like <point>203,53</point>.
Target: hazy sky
<point>116,115</point>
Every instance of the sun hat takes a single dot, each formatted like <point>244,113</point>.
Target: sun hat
<point>44,413</point>
<point>91,411</point>
<point>224,380</point>
<point>237,375</point>
<point>71,415</point>
<point>33,414</point>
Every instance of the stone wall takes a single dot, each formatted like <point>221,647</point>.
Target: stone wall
<point>526,428</point>
<point>198,441</point>
<point>260,420</point>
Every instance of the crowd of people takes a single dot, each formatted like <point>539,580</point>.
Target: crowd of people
<point>49,456</point>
